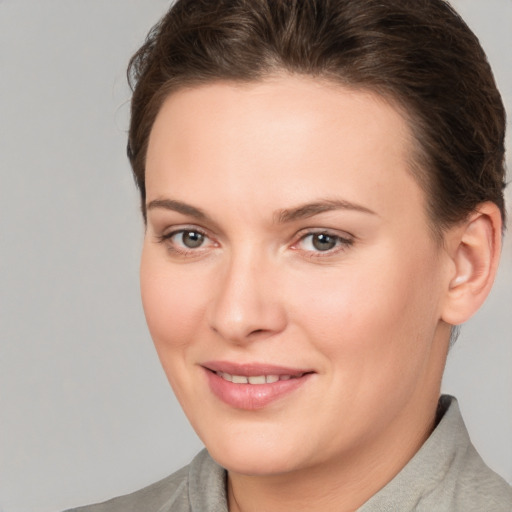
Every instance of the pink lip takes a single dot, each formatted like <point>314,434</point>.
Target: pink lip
<point>252,396</point>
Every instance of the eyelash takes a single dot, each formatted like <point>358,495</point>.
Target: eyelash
<point>166,239</point>
<point>342,243</point>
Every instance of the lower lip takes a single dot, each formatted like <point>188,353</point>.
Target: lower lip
<point>252,396</point>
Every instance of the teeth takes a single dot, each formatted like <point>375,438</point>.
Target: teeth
<point>255,379</point>
<point>260,379</point>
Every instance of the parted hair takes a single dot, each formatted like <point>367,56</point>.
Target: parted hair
<point>418,54</point>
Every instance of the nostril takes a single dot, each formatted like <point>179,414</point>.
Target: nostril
<point>259,333</point>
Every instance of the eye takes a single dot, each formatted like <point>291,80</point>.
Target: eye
<point>323,242</point>
<point>189,239</point>
<point>185,241</point>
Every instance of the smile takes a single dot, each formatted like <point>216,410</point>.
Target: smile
<point>253,386</point>
<point>256,379</point>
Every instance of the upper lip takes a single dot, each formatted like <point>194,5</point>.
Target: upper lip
<point>253,369</point>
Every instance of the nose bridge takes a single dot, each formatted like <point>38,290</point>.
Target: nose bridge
<point>245,305</point>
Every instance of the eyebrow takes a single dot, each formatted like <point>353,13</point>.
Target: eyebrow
<point>177,206</point>
<point>303,211</point>
<point>310,209</point>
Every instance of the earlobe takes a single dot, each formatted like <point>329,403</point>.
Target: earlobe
<point>474,249</point>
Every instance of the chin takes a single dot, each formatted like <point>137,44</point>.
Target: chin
<point>255,455</point>
<point>252,464</point>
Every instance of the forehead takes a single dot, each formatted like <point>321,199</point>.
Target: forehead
<point>286,138</point>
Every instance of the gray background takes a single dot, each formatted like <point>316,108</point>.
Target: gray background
<point>85,410</point>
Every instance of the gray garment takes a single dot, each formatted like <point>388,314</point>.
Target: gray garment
<point>446,475</point>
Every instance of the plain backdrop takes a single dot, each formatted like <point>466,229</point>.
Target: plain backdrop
<point>85,410</point>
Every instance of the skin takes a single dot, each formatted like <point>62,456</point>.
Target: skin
<point>369,317</point>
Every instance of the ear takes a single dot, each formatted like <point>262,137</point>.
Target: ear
<point>474,250</point>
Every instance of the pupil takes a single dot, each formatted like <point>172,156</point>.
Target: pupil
<point>323,242</point>
<point>192,239</point>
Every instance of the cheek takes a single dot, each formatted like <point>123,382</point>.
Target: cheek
<point>172,301</point>
<point>369,310</point>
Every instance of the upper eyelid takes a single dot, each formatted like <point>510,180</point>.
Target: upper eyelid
<point>162,219</point>
<point>340,239</point>
<point>174,231</point>
<point>179,228</point>
<point>344,235</point>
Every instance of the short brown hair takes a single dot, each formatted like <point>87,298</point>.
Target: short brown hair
<point>417,53</point>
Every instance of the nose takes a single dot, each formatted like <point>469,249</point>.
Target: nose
<point>247,303</point>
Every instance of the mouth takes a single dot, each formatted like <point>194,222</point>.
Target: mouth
<point>253,386</point>
<point>256,379</point>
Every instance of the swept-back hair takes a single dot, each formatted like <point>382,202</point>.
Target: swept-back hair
<point>418,54</point>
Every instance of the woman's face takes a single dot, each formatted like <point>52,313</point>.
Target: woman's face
<point>289,278</point>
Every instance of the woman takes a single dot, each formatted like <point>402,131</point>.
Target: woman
<point>322,185</point>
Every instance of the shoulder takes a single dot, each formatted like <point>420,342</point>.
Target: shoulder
<point>472,485</point>
<point>478,488</point>
<point>150,498</point>
<point>463,481</point>
<point>446,474</point>
<point>171,493</point>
